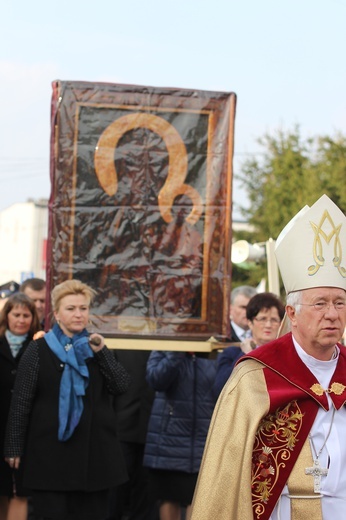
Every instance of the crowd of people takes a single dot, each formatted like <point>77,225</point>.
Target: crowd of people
<point>90,433</point>
<point>123,432</point>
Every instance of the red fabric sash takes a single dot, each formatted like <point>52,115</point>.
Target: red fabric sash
<point>293,408</point>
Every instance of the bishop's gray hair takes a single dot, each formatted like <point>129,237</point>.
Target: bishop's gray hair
<point>294,299</point>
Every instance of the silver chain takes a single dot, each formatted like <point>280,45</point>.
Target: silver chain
<point>325,440</point>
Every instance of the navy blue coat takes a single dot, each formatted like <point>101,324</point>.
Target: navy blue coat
<point>226,363</point>
<point>182,409</point>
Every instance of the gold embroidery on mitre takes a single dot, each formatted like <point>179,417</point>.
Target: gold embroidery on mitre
<point>336,388</point>
<point>317,248</point>
<point>275,440</point>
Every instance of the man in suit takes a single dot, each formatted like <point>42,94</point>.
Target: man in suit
<point>240,297</point>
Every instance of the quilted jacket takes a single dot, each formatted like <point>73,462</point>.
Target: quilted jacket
<point>182,409</point>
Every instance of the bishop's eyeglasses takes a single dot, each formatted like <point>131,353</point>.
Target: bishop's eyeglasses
<point>324,306</point>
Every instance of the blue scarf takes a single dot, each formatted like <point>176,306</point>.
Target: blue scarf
<point>15,342</point>
<point>75,378</point>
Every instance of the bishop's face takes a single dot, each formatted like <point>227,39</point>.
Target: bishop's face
<point>317,330</point>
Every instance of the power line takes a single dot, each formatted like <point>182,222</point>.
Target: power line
<point>16,169</point>
<point>24,177</point>
<point>23,161</point>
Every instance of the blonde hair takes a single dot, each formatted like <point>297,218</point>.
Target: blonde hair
<point>70,287</point>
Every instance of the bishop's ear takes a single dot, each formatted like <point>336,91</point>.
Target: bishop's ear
<point>291,313</point>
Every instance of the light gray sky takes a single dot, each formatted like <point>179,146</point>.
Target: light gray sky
<point>284,60</point>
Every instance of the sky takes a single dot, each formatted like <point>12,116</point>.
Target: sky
<point>284,60</point>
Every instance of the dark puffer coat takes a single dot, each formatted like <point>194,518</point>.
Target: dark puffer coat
<point>181,411</point>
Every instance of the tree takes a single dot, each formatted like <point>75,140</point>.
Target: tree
<point>331,167</point>
<point>293,171</point>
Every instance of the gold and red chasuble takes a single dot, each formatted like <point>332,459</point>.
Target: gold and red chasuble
<point>295,396</point>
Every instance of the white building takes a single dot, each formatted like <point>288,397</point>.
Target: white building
<point>23,239</point>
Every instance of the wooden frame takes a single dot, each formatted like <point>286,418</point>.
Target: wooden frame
<point>140,207</point>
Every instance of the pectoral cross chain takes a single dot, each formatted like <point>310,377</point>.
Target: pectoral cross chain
<point>317,472</point>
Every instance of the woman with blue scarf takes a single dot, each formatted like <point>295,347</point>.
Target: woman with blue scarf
<point>62,418</point>
<point>18,323</point>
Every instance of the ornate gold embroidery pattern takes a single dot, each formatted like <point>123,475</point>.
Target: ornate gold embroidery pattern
<point>275,439</point>
<point>318,248</point>
<point>336,388</point>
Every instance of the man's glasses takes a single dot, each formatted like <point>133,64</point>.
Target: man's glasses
<point>272,321</point>
<point>324,306</point>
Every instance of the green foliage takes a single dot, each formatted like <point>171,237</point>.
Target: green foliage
<point>331,167</point>
<point>292,171</point>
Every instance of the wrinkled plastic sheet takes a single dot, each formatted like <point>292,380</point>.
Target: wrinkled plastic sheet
<point>140,206</point>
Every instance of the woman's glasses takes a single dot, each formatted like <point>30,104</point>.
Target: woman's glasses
<point>272,321</point>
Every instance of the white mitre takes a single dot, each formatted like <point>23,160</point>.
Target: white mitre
<point>311,248</point>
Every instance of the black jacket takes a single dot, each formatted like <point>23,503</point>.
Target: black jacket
<point>233,337</point>
<point>8,372</point>
<point>91,459</point>
<point>134,406</point>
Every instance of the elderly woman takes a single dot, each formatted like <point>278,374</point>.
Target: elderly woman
<point>18,323</point>
<point>264,314</point>
<point>61,417</point>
